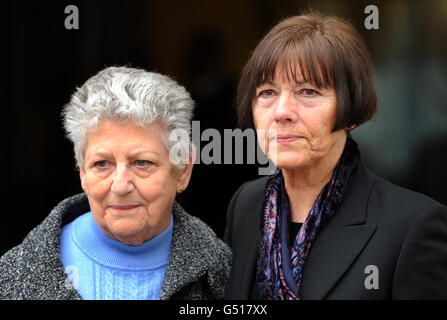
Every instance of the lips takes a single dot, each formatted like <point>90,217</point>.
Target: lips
<point>286,138</point>
<point>123,207</point>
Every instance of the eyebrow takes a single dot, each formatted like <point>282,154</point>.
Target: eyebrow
<point>141,151</point>
<point>299,83</point>
<point>133,153</point>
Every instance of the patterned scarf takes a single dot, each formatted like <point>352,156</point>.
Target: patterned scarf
<point>271,283</point>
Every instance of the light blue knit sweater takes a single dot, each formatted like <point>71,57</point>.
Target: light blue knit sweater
<point>102,268</point>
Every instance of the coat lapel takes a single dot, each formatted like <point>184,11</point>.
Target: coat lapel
<point>245,231</point>
<point>187,258</point>
<point>253,233</point>
<point>330,256</point>
<point>250,269</point>
<point>341,241</point>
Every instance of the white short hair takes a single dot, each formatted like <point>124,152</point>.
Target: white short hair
<point>127,95</point>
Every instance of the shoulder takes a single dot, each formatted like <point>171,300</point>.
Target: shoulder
<point>196,250</point>
<point>10,270</point>
<point>244,211</point>
<point>254,187</point>
<point>400,202</point>
<point>383,202</point>
<point>46,235</point>
<point>33,269</point>
<point>389,191</point>
<point>197,232</point>
<point>20,267</point>
<point>249,192</point>
<point>419,225</point>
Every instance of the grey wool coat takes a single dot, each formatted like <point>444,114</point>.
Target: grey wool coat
<point>198,267</point>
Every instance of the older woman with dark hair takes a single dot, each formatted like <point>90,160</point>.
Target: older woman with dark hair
<point>126,237</point>
<point>323,226</point>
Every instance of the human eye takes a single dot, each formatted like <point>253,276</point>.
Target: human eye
<point>101,164</point>
<point>266,93</point>
<point>308,92</point>
<point>142,163</point>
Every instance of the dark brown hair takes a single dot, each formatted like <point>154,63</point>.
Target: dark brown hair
<point>324,50</point>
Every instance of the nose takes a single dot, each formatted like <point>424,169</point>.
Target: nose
<point>285,109</point>
<point>122,183</point>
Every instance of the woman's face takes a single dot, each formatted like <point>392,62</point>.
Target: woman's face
<point>298,119</point>
<point>129,180</point>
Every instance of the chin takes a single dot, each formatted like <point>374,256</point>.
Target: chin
<point>291,161</point>
<point>123,229</point>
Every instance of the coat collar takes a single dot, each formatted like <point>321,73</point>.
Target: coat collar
<point>352,211</point>
<point>41,256</point>
<point>341,241</point>
<point>194,254</point>
<point>251,228</point>
<point>338,244</point>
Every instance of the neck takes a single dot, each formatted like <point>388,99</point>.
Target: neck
<point>303,184</point>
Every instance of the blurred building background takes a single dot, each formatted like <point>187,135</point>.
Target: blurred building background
<point>204,45</point>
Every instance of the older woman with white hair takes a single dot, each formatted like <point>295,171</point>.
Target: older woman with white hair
<point>125,237</point>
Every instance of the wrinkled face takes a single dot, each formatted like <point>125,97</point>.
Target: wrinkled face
<point>298,119</point>
<point>130,182</point>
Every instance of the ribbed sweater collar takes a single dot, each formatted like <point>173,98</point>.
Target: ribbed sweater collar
<point>110,252</point>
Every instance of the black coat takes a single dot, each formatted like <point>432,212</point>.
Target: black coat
<point>401,232</point>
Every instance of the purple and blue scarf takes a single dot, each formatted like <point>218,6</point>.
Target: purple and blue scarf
<point>270,277</point>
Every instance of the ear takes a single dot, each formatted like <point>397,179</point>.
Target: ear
<point>185,173</point>
<point>82,178</point>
